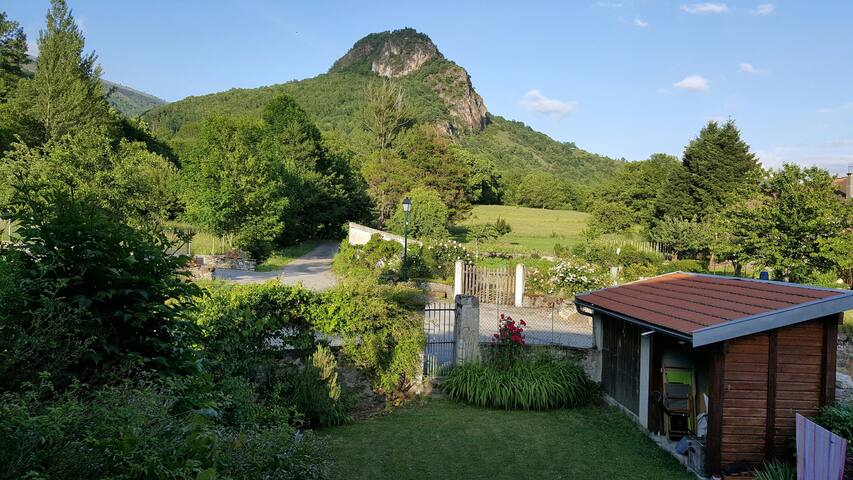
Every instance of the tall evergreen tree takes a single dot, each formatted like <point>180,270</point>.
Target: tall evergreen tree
<point>66,93</point>
<point>721,168</point>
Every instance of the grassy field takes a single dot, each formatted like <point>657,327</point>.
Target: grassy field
<point>440,439</point>
<point>284,256</point>
<point>533,229</point>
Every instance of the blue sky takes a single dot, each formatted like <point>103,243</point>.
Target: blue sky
<point>625,78</point>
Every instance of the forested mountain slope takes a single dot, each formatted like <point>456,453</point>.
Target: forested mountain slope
<point>436,91</point>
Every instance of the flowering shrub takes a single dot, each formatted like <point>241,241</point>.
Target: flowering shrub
<point>569,277</point>
<point>508,343</point>
<point>444,254</point>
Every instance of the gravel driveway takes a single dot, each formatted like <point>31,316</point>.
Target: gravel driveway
<point>313,270</point>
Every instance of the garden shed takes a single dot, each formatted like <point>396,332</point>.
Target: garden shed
<point>727,361</point>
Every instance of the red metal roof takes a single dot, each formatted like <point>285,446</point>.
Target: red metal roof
<point>688,302</point>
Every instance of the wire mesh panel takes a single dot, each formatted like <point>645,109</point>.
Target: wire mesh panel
<point>439,321</point>
<point>557,324</point>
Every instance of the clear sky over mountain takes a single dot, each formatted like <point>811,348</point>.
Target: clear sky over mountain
<point>621,78</point>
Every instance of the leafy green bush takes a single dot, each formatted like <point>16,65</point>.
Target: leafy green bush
<point>88,297</point>
<point>537,383</point>
<point>381,327</point>
<point>596,252</point>
<point>630,255</point>
<point>613,217</point>
<point>427,220</point>
<point>141,431</point>
<point>243,326</point>
<point>838,419</point>
<point>635,272</point>
<point>776,470</point>
<point>380,258</point>
<point>683,266</point>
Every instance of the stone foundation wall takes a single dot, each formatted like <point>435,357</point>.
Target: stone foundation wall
<point>227,262</point>
<point>844,369</point>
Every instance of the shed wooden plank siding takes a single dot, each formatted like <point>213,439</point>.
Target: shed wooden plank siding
<point>769,377</point>
<point>745,399</point>
<point>620,375</point>
<point>799,357</point>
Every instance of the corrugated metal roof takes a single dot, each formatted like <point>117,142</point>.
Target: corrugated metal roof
<point>707,307</point>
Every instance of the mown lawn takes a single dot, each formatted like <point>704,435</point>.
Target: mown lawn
<point>441,439</point>
<point>533,229</point>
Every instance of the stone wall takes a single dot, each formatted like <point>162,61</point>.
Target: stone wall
<point>226,261</point>
<point>844,369</point>
<point>360,234</point>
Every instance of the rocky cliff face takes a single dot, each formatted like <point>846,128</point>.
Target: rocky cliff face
<point>405,54</point>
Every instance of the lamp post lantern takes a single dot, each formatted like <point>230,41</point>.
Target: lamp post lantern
<point>407,207</point>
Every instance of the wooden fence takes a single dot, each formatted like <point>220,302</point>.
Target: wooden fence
<point>642,246</point>
<point>489,284</point>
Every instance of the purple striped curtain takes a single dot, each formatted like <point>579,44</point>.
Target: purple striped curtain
<point>820,453</point>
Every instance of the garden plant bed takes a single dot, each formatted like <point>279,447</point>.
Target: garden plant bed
<point>440,439</point>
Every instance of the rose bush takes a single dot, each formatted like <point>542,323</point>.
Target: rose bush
<point>508,343</point>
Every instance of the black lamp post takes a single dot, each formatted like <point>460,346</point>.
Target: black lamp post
<point>407,207</point>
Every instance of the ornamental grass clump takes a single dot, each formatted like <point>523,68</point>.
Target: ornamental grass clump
<point>511,377</point>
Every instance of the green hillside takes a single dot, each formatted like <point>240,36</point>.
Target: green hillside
<point>436,90</point>
<point>128,101</point>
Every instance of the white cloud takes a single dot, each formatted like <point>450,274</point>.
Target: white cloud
<point>535,102</point>
<point>837,108</point>
<point>705,8</point>
<point>610,4</point>
<point>694,83</point>
<point>747,68</point>
<point>751,69</point>
<point>763,9</point>
<point>640,23</point>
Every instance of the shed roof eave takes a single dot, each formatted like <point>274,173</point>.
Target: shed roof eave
<point>763,322</point>
<point>629,319</point>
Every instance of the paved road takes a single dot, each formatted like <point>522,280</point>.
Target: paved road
<point>313,270</point>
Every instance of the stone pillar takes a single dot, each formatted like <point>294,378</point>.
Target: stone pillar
<point>466,330</point>
<point>645,370</point>
<point>519,285</point>
<point>595,354</point>
<point>457,278</point>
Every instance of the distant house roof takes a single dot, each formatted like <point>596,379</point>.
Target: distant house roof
<point>842,185</point>
<point>707,309</point>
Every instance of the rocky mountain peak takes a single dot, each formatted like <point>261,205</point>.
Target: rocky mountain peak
<point>393,54</point>
<point>400,54</point>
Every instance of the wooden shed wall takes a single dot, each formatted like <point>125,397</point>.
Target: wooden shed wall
<point>745,399</point>
<point>767,378</point>
<point>620,373</point>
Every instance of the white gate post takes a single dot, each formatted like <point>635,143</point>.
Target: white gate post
<point>519,285</point>
<point>457,278</point>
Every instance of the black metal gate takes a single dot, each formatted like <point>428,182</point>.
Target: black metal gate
<point>439,321</point>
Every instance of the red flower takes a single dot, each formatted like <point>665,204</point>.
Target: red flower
<point>523,322</point>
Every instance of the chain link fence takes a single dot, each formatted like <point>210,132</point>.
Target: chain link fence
<point>558,324</point>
